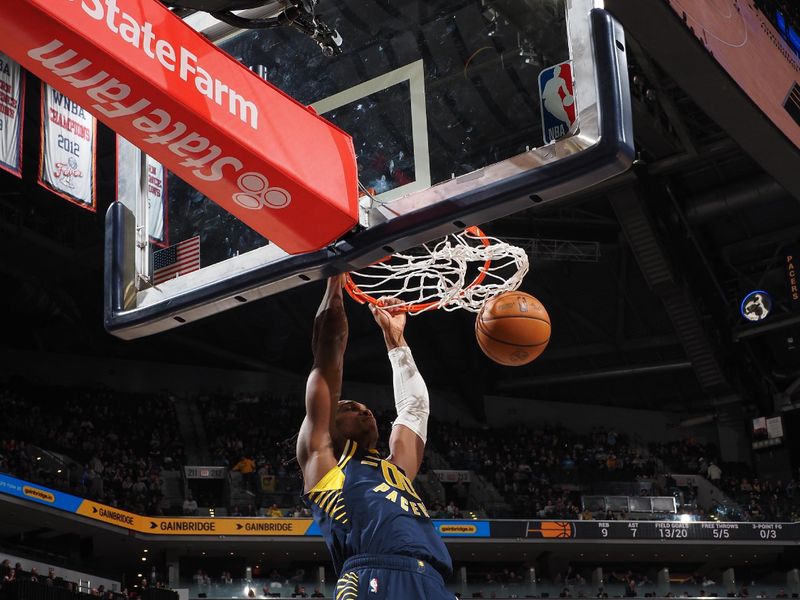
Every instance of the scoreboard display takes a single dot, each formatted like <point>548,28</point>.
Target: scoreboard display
<point>660,530</point>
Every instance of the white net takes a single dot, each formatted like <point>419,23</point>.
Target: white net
<point>463,271</point>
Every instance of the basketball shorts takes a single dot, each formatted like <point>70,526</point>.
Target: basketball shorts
<point>387,577</point>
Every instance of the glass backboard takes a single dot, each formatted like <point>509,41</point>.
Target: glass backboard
<point>461,112</point>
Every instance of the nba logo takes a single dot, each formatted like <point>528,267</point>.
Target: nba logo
<point>373,585</point>
<point>558,101</point>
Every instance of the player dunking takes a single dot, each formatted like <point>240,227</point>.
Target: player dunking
<point>378,531</point>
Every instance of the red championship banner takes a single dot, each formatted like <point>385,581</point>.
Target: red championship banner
<point>67,155</point>
<point>270,161</point>
<point>12,104</point>
<point>157,203</point>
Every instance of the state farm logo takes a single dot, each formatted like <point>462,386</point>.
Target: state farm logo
<point>256,193</point>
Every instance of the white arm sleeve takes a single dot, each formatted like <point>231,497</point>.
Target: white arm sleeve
<point>410,393</point>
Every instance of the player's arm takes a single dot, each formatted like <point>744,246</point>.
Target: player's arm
<point>410,430</point>
<point>324,387</point>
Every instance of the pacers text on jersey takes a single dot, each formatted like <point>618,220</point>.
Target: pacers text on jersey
<point>393,478</point>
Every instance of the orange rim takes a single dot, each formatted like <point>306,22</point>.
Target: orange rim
<point>362,297</point>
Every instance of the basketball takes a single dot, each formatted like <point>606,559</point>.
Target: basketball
<point>513,328</point>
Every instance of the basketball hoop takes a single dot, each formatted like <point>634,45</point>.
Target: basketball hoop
<point>436,275</point>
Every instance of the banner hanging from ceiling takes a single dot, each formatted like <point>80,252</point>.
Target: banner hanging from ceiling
<point>157,228</point>
<point>68,149</point>
<point>12,104</point>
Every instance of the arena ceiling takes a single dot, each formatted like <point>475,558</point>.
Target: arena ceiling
<point>644,297</point>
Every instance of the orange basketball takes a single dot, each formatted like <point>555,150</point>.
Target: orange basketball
<point>512,328</point>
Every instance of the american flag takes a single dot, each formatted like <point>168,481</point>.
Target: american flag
<point>182,258</point>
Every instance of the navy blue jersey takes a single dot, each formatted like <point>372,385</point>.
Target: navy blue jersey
<point>367,505</point>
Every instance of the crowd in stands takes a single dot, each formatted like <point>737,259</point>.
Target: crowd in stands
<point>760,499</point>
<point>513,579</point>
<point>542,468</point>
<point>9,574</point>
<point>12,574</point>
<point>113,447</point>
<point>251,434</point>
<point>261,585</point>
<point>99,444</point>
<point>767,500</point>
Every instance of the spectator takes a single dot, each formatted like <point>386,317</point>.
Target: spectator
<point>247,467</point>
<point>611,438</point>
<point>274,511</point>
<point>317,594</point>
<point>205,583</point>
<point>299,592</point>
<point>190,505</point>
<point>714,473</point>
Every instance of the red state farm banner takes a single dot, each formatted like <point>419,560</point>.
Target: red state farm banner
<point>267,159</point>
<point>67,157</point>
<point>12,104</point>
